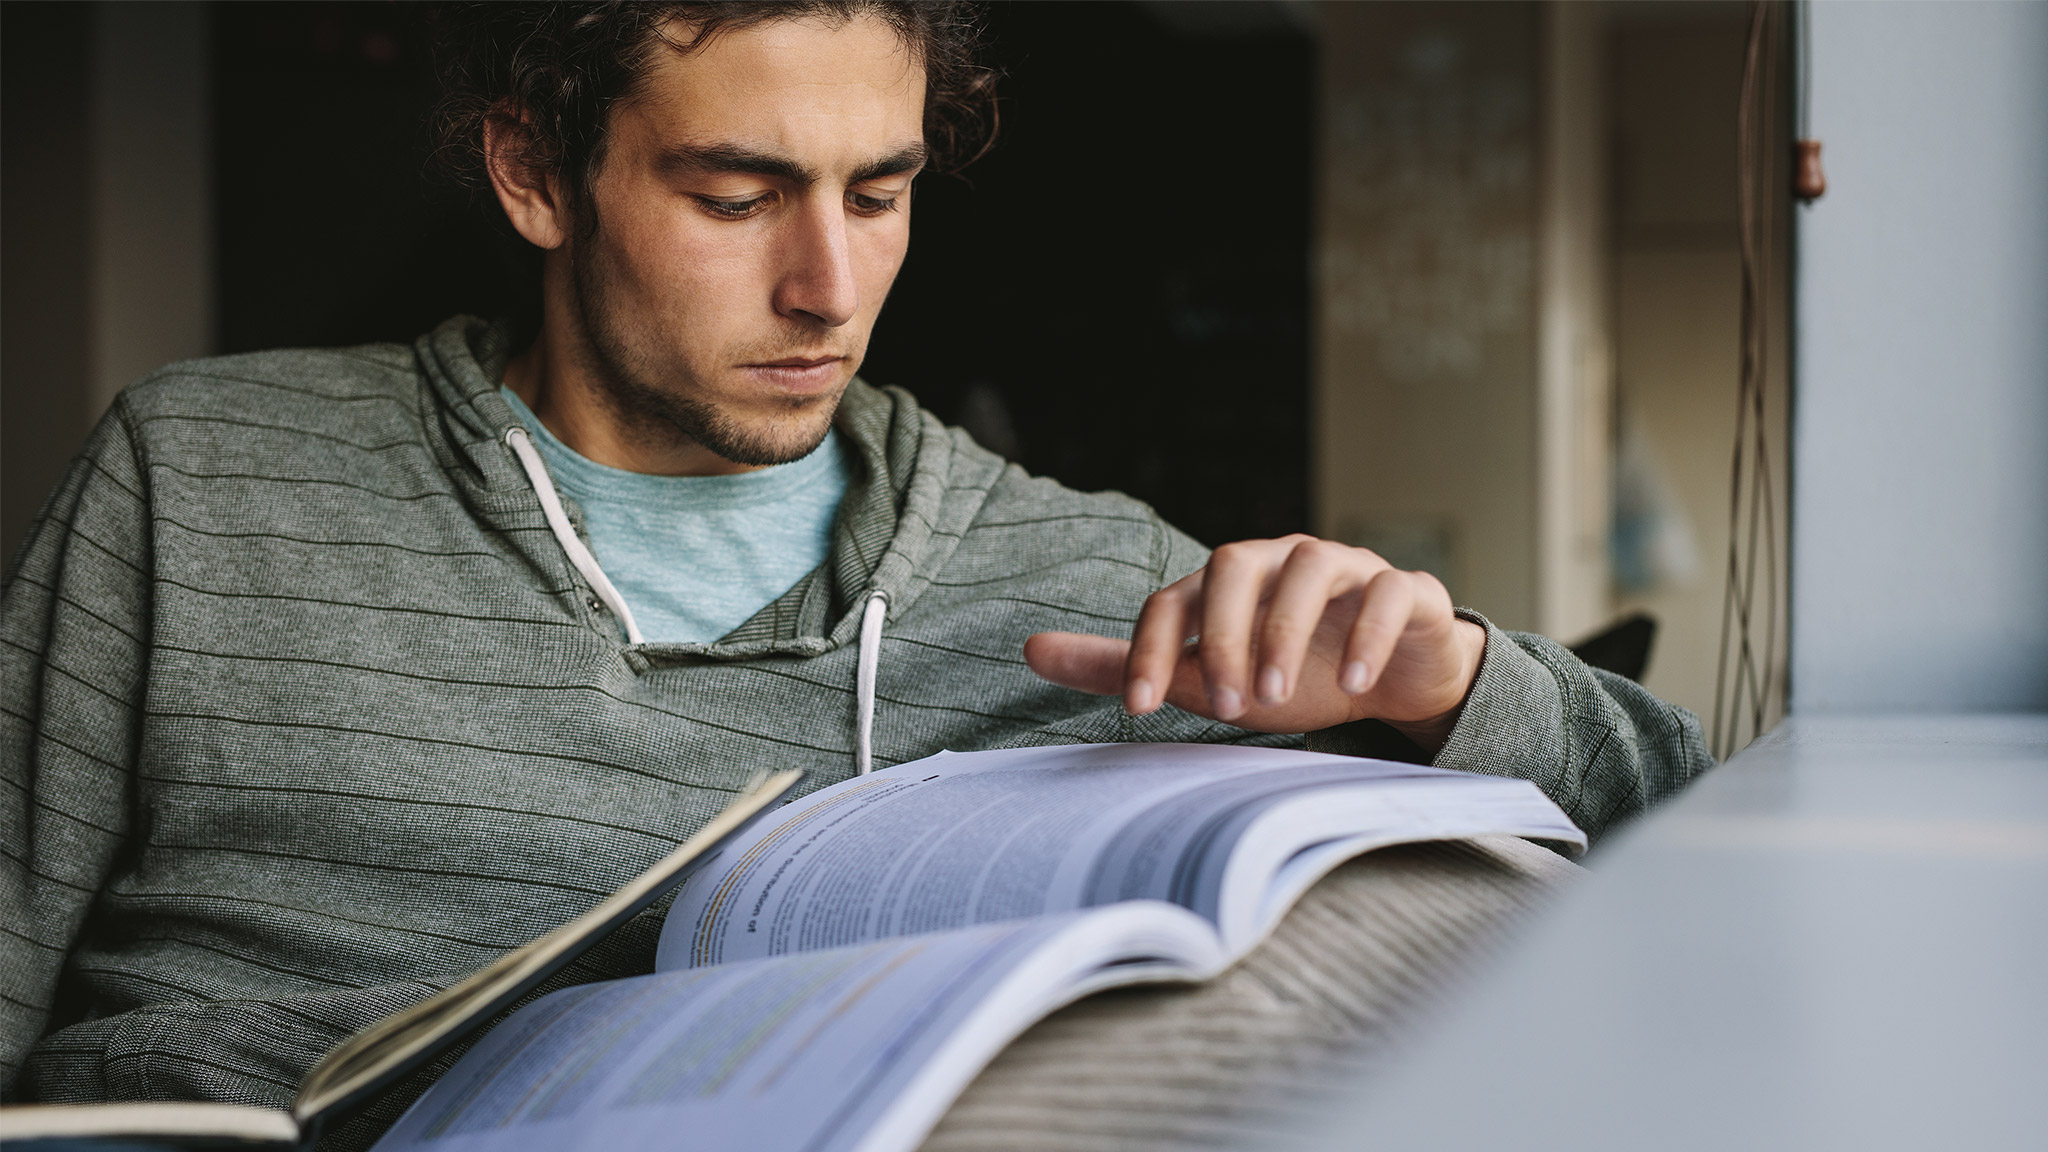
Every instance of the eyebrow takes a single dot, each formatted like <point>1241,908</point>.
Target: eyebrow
<point>753,162</point>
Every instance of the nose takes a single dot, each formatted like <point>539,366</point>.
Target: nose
<point>817,283</point>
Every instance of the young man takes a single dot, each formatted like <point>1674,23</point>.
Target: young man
<point>332,674</point>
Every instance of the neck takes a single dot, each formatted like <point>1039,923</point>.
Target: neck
<point>563,390</point>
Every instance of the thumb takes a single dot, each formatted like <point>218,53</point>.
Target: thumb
<point>1076,660</point>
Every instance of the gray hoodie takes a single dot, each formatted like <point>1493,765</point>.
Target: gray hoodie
<point>314,701</point>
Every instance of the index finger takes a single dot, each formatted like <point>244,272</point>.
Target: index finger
<point>1157,642</point>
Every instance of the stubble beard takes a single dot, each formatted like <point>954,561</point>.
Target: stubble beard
<point>667,416</point>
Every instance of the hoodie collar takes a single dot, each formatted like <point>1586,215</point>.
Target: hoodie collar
<point>917,485</point>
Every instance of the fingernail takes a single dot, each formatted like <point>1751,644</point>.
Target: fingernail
<point>1272,685</point>
<point>1229,705</point>
<point>1353,680</point>
<point>1138,697</point>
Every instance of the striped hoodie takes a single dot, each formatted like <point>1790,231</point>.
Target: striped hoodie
<point>311,704</point>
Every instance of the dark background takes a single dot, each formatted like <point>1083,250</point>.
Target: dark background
<point>1116,296</point>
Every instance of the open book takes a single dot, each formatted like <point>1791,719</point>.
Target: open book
<point>848,963</point>
<point>846,966</point>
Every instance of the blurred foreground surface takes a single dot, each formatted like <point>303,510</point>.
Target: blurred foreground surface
<point>1834,941</point>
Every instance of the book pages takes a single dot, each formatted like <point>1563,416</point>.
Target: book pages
<point>983,837</point>
<point>849,1048</point>
<point>148,1124</point>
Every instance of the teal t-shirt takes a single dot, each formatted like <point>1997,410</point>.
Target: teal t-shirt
<point>696,556</point>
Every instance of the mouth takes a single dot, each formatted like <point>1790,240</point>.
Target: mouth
<point>800,375</point>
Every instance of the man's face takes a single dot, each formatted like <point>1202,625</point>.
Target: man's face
<point>752,209</point>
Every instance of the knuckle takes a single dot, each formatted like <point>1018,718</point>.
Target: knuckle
<point>1281,618</point>
<point>1219,655</point>
<point>1295,550</point>
<point>1233,554</point>
<point>1170,598</point>
<point>1371,559</point>
<point>1328,553</point>
<point>1281,637</point>
<point>1407,585</point>
<point>1428,587</point>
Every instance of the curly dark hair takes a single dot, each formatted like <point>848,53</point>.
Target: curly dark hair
<point>560,67</point>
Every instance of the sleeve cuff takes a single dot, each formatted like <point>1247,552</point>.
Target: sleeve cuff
<point>1513,720</point>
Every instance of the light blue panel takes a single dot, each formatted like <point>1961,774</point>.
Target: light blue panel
<point>1920,492</point>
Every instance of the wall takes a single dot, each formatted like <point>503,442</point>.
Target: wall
<point>1920,577</point>
<point>1424,415</point>
<point>1574,336</point>
<point>45,188</point>
<point>1676,73</point>
<point>107,223</point>
<point>152,250</point>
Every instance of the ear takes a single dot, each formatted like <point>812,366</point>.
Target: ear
<point>531,197</point>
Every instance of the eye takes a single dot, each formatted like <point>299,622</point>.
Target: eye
<point>864,205</point>
<point>734,209</point>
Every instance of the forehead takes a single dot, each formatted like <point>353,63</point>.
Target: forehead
<point>832,91</point>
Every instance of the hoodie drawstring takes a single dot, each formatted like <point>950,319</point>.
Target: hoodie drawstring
<point>871,619</point>
<point>872,616</point>
<point>565,532</point>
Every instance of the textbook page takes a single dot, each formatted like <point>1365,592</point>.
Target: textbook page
<point>967,838</point>
<point>850,1048</point>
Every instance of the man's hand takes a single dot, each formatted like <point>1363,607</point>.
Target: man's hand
<point>1286,635</point>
